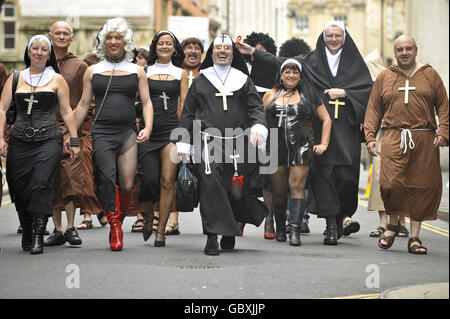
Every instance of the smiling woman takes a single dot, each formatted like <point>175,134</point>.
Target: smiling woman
<point>35,146</point>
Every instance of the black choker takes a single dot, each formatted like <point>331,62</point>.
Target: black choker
<point>118,60</point>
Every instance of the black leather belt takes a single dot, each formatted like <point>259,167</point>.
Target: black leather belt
<point>31,131</point>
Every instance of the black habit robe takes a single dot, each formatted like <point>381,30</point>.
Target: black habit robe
<point>219,210</point>
<point>334,175</point>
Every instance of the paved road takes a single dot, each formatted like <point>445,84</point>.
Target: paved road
<point>258,268</point>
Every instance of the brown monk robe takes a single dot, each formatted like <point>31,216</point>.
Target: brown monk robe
<point>69,181</point>
<point>410,174</point>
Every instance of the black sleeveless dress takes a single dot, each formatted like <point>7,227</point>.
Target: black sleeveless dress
<point>34,153</point>
<point>165,119</point>
<point>295,135</point>
<point>114,131</point>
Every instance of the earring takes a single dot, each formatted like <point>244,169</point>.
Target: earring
<point>175,53</point>
<point>281,82</point>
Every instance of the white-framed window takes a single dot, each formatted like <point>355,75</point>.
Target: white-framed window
<point>342,18</point>
<point>301,25</point>
<point>9,11</point>
<point>8,32</point>
<point>9,35</point>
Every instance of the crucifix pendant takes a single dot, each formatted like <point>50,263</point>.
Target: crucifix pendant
<point>224,95</point>
<point>280,116</point>
<point>407,88</point>
<point>165,98</point>
<point>336,107</point>
<point>30,101</point>
<point>191,78</point>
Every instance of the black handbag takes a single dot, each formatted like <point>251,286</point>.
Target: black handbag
<point>12,112</point>
<point>187,196</point>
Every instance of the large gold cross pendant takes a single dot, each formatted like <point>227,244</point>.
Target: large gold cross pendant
<point>336,107</point>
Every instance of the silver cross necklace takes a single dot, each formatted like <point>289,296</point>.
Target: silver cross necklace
<point>31,100</point>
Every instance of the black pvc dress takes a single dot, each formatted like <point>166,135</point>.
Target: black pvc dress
<point>114,131</point>
<point>295,135</point>
<point>34,154</point>
<point>164,96</point>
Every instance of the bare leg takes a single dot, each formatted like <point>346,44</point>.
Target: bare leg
<point>57,220</point>
<point>70,211</point>
<point>168,171</point>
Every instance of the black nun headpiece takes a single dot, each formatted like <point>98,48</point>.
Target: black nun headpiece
<point>238,59</point>
<point>52,62</point>
<point>178,55</point>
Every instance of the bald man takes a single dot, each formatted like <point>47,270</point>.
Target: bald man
<point>406,97</point>
<point>70,181</point>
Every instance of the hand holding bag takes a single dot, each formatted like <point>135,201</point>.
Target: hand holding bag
<point>187,196</point>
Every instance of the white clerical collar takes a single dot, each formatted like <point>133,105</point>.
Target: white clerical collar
<point>333,60</point>
<point>40,79</point>
<point>230,78</point>
<point>105,66</point>
<point>168,68</point>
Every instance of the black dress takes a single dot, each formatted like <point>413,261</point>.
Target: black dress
<point>34,154</point>
<point>165,119</point>
<point>295,135</point>
<point>114,131</point>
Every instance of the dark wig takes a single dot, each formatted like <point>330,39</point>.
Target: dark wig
<point>264,39</point>
<point>294,47</point>
<point>177,58</point>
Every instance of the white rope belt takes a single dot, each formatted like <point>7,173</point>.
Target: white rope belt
<point>206,153</point>
<point>406,133</point>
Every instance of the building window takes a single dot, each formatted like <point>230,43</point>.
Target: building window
<point>301,25</point>
<point>9,35</point>
<point>9,10</point>
<point>342,18</point>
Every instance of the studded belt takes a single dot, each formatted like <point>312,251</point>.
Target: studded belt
<point>31,131</point>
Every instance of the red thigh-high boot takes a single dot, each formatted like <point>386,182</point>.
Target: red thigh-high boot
<point>124,202</point>
<point>115,223</point>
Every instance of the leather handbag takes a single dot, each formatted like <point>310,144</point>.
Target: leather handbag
<point>187,195</point>
<point>12,112</point>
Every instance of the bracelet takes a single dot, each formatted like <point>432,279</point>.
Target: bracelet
<point>74,142</point>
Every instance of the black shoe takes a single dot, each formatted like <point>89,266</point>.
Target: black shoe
<point>160,243</point>
<point>71,235</point>
<point>227,242</point>
<point>331,237</point>
<point>304,228</point>
<point>294,235</point>
<point>212,246</point>
<point>340,226</point>
<point>280,232</point>
<point>55,239</point>
<point>147,233</point>
<point>38,225</point>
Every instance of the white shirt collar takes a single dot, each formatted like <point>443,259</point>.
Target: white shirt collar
<point>168,68</point>
<point>333,60</point>
<point>233,78</point>
<point>41,79</point>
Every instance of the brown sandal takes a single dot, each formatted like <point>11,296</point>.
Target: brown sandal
<point>414,249</point>
<point>388,239</point>
<point>377,232</point>
<point>403,232</point>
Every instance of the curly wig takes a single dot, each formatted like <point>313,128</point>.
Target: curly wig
<point>293,47</point>
<point>121,26</point>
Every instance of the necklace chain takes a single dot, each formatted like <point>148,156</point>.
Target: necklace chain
<point>223,82</point>
<point>37,84</point>
<point>159,76</point>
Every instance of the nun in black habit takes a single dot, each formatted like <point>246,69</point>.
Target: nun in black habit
<point>225,100</point>
<point>334,176</point>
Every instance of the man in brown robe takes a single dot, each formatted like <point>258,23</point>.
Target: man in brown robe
<point>406,97</point>
<point>69,182</point>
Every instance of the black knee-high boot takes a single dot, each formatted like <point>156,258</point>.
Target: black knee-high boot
<point>280,221</point>
<point>39,224</point>
<point>331,231</point>
<point>26,221</point>
<point>296,210</point>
